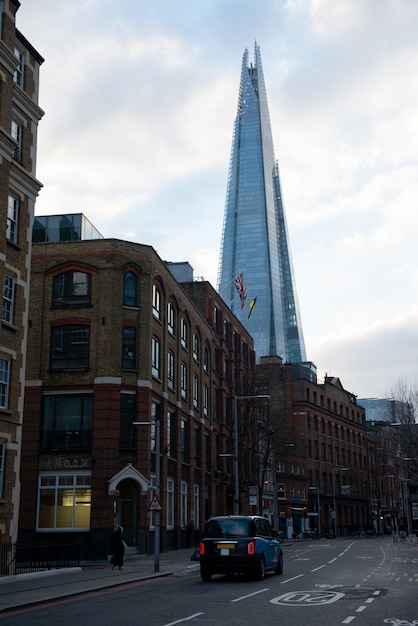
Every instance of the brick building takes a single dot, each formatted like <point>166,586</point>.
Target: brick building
<point>322,453</point>
<point>19,117</point>
<point>115,340</point>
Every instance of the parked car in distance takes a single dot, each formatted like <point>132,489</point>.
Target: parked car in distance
<point>244,544</point>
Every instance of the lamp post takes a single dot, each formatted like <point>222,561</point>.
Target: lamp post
<point>236,446</point>
<point>318,506</point>
<point>157,425</point>
<point>342,469</point>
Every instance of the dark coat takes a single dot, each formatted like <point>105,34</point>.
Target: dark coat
<point>117,547</point>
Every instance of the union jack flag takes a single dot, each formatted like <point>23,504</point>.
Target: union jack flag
<point>242,292</point>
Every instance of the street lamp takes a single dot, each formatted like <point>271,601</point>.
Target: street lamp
<point>236,446</point>
<point>157,425</point>
<point>342,469</point>
<point>318,506</point>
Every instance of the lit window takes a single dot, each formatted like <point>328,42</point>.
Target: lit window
<point>64,501</point>
<point>8,298</point>
<point>12,218</point>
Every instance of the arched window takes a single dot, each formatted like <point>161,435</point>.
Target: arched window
<point>130,296</point>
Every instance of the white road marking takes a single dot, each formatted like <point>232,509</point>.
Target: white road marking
<point>317,568</point>
<point>185,619</point>
<point>349,619</point>
<point>249,595</point>
<point>289,580</point>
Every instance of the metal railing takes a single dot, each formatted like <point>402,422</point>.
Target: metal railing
<point>18,558</point>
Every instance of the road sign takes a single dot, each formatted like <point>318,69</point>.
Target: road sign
<point>155,504</point>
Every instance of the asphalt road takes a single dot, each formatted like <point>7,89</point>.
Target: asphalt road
<point>363,582</point>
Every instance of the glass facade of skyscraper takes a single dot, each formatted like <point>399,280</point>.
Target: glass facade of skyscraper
<point>255,242</point>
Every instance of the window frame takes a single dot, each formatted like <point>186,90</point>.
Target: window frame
<point>156,302</point>
<point>63,340</point>
<point>65,431</point>
<point>9,294</point>
<point>130,284</point>
<point>13,206</point>
<point>19,73</point>
<point>156,357</point>
<point>171,370</point>
<point>5,371</point>
<point>129,350</point>
<point>65,286</point>
<point>65,486</point>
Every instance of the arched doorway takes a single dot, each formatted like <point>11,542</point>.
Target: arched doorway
<point>126,486</point>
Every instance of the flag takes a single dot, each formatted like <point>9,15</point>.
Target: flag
<point>242,292</point>
<point>252,306</point>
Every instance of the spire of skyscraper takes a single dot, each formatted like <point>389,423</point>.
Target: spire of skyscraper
<point>255,243</point>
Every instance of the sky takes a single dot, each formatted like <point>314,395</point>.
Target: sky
<point>140,99</point>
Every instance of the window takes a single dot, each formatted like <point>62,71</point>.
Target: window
<point>195,391</point>
<point>155,416</point>
<point>205,400</point>
<point>71,288</point>
<point>127,417</point>
<point>196,347</point>
<point>67,421</point>
<point>184,381</point>
<point>170,370</point>
<point>8,299</point>
<point>281,491</point>
<point>183,504</point>
<point>129,348</point>
<point>4,382</point>
<point>184,333</point>
<point>12,218</point>
<point>18,75</point>
<point>130,289</point>
<point>156,302</point>
<point>17,132</point>
<point>171,434</point>
<point>197,447</point>
<point>2,463</point>
<point>196,505</point>
<point>64,501</point>
<point>70,347</point>
<point>206,360</point>
<point>184,435</point>
<point>171,319</point>
<point>170,503</point>
<point>155,356</point>
<point>208,455</point>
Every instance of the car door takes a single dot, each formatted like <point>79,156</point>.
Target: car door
<point>268,541</point>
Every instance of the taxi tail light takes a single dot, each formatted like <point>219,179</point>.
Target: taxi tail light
<point>251,547</point>
<point>201,548</point>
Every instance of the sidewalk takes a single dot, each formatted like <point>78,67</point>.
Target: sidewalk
<point>29,589</point>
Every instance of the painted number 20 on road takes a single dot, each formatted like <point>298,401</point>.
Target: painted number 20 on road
<point>308,598</point>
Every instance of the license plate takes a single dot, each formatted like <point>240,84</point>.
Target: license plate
<point>227,546</point>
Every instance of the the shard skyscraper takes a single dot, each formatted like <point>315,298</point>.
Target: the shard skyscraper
<point>255,262</point>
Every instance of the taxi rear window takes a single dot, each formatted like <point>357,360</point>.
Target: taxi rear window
<point>227,528</point>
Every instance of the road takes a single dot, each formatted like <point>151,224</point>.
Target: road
<point>363,582</point>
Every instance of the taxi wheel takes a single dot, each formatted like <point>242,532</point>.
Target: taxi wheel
<point>279,566</point>
<point>260,569</point>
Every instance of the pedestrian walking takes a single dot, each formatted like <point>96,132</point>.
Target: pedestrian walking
<point>117,547</point>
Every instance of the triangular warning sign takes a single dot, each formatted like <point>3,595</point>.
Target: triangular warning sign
<point>155,504</point>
